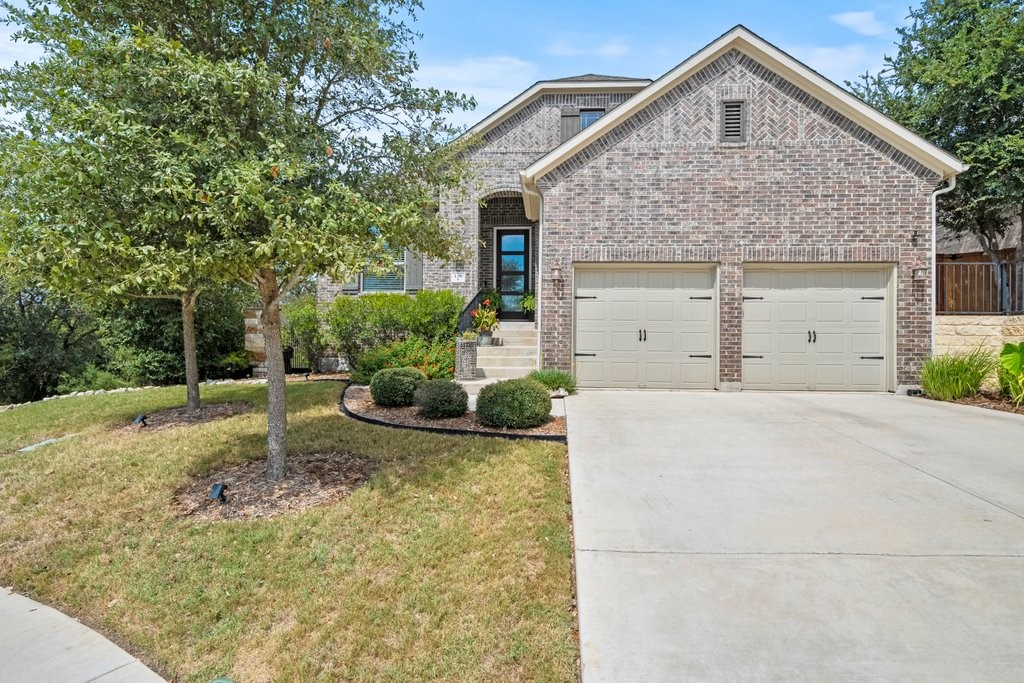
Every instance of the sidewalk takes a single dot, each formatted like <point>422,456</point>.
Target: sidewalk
<point>38,643</point>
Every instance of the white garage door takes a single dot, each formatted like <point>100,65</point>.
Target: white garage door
<point>815,328</point>
<point>645,327</point>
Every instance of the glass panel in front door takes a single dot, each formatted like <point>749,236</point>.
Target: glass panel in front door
<point>513,270</point>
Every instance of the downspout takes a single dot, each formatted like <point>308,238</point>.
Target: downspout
<point>935,260</point>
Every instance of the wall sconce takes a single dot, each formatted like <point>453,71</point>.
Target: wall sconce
<point>556,271</point>
<point>922,273</point>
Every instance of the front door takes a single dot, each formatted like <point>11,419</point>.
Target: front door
<point>512,271</point>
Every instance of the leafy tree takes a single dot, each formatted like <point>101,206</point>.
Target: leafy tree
<point>275,140</point>
<point>958,79</point>
<point>42,337</point>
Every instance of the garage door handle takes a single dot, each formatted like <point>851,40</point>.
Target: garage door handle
<point>815,336</point>
<point>872,357</point>
<point>700,355</point>
<point>584,354</point>
<point>751,356</point>
<point>808,336</point>
<point>645,335</point>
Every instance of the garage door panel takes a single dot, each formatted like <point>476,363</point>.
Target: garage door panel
<point>673,306</point>
<point>843,307</point>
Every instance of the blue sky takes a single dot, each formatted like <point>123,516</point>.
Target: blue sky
<point>494,49</point>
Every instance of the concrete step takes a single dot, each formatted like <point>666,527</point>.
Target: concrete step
<point>505,373</point>
<point>508,361</point>
<point>473,386</point>
<point>483,352</point>
<point>517,325</point>
<point>515,341</point>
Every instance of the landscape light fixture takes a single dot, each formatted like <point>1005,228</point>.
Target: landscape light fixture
<point>140,421</point>
<point>217,492</point>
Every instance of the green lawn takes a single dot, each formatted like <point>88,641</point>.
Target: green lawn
<point>452,563</point>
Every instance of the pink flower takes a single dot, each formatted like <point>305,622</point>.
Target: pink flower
<point>473,313</point>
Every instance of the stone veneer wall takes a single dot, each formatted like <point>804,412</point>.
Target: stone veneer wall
<point>962,333</point>
<point>809,186</point>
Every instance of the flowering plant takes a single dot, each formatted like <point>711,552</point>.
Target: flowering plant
<point>485,317</point>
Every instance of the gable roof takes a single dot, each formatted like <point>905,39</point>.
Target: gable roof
<point>572,84</point>
<point>740,38</point>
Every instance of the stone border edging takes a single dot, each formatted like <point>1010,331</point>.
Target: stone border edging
<point>551,438</point>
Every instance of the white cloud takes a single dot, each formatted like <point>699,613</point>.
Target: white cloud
<point>608,49</point>
<point>839,64</point>
<point>864,23</point>
<point>492,80</point>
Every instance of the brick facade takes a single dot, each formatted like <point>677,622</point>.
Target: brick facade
<point>809,186</point>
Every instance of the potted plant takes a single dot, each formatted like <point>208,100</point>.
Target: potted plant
<point>485,321</point>
<point>529,303</point>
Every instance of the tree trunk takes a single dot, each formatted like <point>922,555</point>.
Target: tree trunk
<point>277,409</point>
<point>188,328</point>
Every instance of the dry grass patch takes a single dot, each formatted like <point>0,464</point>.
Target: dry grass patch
<point>451,563</point>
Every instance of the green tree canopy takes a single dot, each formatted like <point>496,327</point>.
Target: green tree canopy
<point>957,78</point>
<point>252,142</point>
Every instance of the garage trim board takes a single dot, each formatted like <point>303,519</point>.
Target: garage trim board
<point>646,326</point>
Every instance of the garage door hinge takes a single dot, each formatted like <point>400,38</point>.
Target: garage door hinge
<point>873,298</point>
<point>701,298</point>
<point>749,298</point>
<point>700,355</point>
<point>584,297</point>
<point>746,355</point>
<point>584,354</point>
<point>872,357</point>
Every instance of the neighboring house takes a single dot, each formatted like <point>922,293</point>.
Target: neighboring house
<point>741,222</point>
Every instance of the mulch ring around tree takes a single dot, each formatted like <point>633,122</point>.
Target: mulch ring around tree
<point>312,479</point>
<point>992,400</point>
<point>358,401</point>
<point>169,418</point>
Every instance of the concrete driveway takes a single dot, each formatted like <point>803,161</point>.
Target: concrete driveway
<point>792,536</point>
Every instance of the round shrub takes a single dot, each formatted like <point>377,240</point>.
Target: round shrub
<point>514,403</point>
<point>439,398</point>
<point>395,386</point>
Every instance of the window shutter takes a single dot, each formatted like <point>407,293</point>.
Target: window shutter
<point>734,121</point>
<point>570,122</point>
<point>413,271</point>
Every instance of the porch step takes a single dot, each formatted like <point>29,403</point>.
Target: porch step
<point>506,372</point>
<point>508,325</point>
<point>520,351</point>
<point>516,337</point>
<point>517,361</point>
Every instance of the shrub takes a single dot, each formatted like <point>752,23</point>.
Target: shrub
<point>956,375</point>
<point>435,360</point>
<point>514,403</point>
<point>1011,372</point>
<point>91,378</point>
<point>554,379</point>
<point>303,330</point>
<point>395,386</point>
<point>434,314</point>
<point>437,398</point>
<point>356,324</point>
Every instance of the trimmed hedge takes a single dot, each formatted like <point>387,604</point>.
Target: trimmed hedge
<point>439,398</point>
<point>396,386</point>
<point>554,379</point>
<point>514,404</point>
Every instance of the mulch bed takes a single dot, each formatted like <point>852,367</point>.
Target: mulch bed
<point>992,400</point>
<point>358,401</point>
<point>312,479</point>
<point>317,376</point>
<point>169,418</point>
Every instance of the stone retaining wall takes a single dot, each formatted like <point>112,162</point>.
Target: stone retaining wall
<point>957,333</point>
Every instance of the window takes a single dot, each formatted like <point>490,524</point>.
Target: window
<point>589,116</point>
<point>391,281</point>
<point>734,121</point>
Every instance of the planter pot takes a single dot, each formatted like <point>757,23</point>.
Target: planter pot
<point>484,338</point>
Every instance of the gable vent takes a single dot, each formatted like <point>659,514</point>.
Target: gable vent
<point>734,121</point>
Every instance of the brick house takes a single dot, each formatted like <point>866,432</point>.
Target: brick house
<point>740,222</point>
